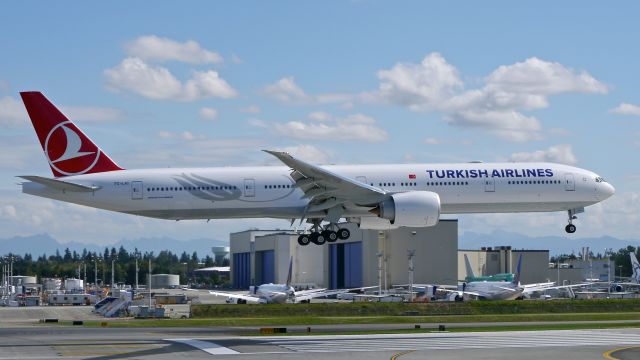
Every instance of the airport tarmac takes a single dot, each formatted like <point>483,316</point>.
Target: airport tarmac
<point>44,342</point>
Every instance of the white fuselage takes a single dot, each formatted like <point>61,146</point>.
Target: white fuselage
<point>275,293</point>
<point>269,191</point>
<point>494,290</point>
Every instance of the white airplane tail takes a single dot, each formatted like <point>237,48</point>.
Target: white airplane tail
<point>636,267</point>
<point>467,265</point>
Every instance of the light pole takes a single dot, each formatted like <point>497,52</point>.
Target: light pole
<point>149,282</point>
<point>136,254</point>
<point>410,255</point>
<point>113,282</point>
<point>186,273</point>
<point>95,273</point>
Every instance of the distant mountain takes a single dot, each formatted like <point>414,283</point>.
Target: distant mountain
<point>40,244</point>
<point>45,244</point>
<point>555,244</point>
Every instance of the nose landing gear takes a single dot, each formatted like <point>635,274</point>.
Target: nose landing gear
<point>570,228</point>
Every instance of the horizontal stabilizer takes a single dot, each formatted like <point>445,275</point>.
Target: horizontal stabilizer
<point>60,184</point>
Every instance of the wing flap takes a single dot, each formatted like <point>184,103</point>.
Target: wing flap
<point>320,184</point>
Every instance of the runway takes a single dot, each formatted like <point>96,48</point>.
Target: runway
<point>43,342</point>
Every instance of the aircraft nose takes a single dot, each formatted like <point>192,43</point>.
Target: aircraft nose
<point>607,190</point>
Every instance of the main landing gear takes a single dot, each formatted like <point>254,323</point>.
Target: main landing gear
<point>321,236</point>
<point>570,228</point>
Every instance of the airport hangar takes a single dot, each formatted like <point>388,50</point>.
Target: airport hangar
<point>372,258</point>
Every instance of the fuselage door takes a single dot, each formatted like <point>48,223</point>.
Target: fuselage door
<point>489,185</point>
<point>249,188</point>
<point>362,179</point>
<point>136,190</point>
<point>569,183</point>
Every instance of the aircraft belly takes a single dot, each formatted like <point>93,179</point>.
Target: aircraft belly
<point>467,208</point>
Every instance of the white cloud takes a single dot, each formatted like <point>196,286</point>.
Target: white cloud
<point>154,48</point>
<point>433,141</point>
<point>309,153</point>
<point>185,135</point>
<point>208,113</point>
<point>424,86</point>
<point>258,123</point>
<point>626,109</point>
<point>158,83</point>
<point>12,112</point>
<point>510,125</point>
<point>320,116</point>
<point>497,106</point>
<point>562,154</point>
<point>538,77</point>
<point>357,127</point>
<point>286,90</point>
<point>92,113</point>
<point>251,109</point>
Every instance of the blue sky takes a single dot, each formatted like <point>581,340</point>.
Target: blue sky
<point>212,83</point>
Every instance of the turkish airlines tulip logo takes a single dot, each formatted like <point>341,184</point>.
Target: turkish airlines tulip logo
<point>74,157</point>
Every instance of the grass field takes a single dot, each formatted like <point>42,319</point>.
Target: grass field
<point>334,320</point>
<point>485,316</point>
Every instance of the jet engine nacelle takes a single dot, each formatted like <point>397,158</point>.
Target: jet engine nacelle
<point>410,209</point>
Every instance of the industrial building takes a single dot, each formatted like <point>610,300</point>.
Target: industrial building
<point>367,258</point>
<point>503,259</point>
<point>580,270</point>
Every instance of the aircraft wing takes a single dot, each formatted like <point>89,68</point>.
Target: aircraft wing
<point>327,189</point>
<point>316,293</point>
<point>247,298</point>
<point>529,288</point>
<point>60,184</point>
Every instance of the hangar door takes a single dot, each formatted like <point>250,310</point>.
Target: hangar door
<point>241,270</point>
<point>345,265</point>
<point>265,267</point>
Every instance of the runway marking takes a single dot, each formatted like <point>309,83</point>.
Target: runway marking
<point>435,341</point>
<point>609,354</point>
<point>206,346</point>
<point>395,356</point>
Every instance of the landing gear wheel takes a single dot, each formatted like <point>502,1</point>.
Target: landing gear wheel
<point>344,234</point>
<point>330,236</point>
<point>318,238</point>
<point>304,239</point>
<point>570,228</point>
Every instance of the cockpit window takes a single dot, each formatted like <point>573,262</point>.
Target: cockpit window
<point>599,179</point>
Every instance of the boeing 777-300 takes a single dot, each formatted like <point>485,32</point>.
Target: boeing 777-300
<point>374,196</point>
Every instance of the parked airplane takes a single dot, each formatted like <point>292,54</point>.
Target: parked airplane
<point>636,268</point>
<point>472,277</point>
<point>276,293</point>
<point>374,196</point>
<point>630,283</point>
<point>498,290</point>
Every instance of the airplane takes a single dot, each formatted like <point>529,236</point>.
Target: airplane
<point>636,268</point>
<point>631,283</point>
<point>472,277</point>
<point>276,293</point>
<point>379,197</point>
<point>498,290</point>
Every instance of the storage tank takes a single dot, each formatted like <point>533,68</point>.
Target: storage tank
<point>73,284</point>
<point>23,280</point>
<point>220,252</point>
<point>165,281</point>
<point>50,284</point>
